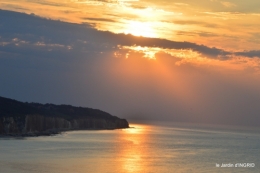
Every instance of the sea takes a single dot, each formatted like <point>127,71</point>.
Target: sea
<point>143,148</point>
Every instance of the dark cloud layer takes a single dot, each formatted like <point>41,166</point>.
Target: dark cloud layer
<point>48,31</point>
<point>99,19</point>
<point>52,61</point>
<point>251,54</point>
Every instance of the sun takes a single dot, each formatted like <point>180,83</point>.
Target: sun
<point>137,28</point>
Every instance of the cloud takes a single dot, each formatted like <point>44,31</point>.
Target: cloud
<point>194,33</point>
<point>193,22</point>
<point>58,4</point>
<point>251,54</point>
<point>98,19</point>
<point>130,40</point>
<point>138,6</point>
<point>225,3</point>
<point>39,30</point>
<point>45,61</point>
<point>228,4</point>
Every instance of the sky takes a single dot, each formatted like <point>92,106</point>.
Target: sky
<point>150,60</point>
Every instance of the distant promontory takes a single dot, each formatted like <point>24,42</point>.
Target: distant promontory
<point>35,119</point>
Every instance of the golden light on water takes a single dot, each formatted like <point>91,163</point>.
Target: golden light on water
<point>133,130</point>
<point>133,153</point>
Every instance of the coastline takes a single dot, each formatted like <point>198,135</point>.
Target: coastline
<point>20,119</point>
<point>52,132</point>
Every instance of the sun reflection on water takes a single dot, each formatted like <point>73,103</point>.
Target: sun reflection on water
<point>133,130</point>
<point>134,152</point>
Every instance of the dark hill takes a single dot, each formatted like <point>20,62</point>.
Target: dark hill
<point>30,119</point>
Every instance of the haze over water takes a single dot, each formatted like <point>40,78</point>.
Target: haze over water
<point>145,148</point>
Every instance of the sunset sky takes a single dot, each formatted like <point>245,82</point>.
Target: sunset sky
<point>168,60</point>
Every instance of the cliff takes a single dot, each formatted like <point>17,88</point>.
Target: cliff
<point>34,119</point>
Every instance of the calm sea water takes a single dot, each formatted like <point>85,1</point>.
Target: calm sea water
<point>145,148</point>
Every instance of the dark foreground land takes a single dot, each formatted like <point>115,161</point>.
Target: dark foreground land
<point>34,119</point>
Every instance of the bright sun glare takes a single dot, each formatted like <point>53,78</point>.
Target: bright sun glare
<point>137,28</point>
<point>136,129</point>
